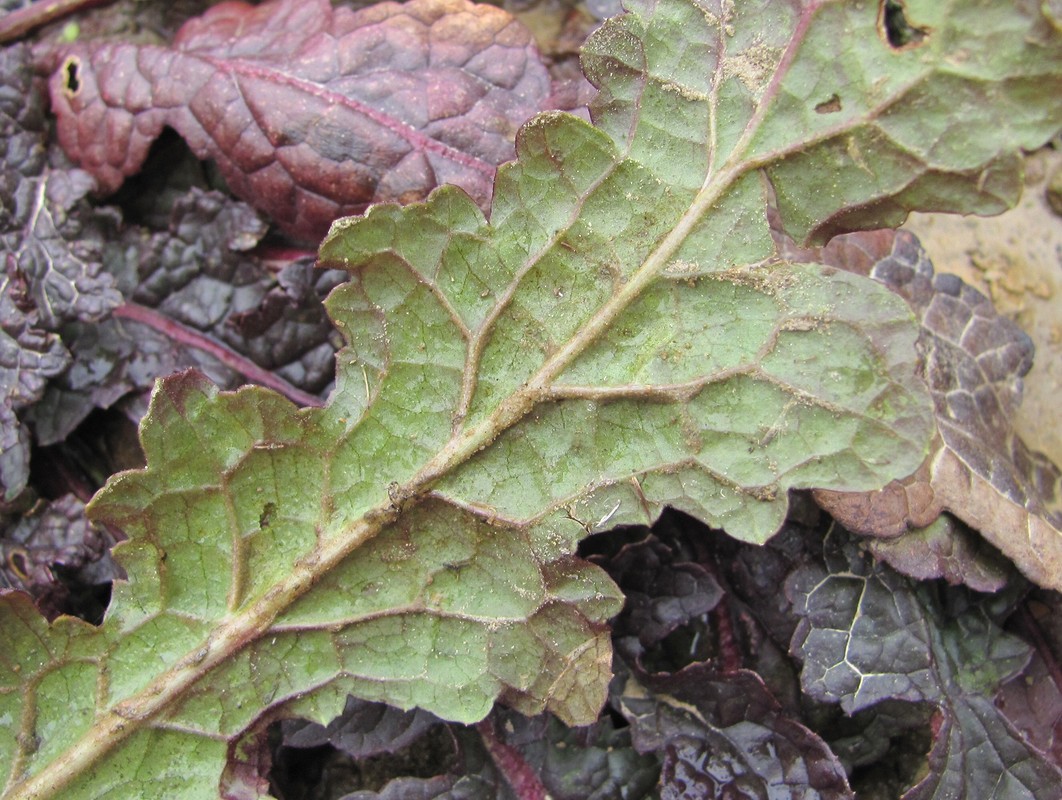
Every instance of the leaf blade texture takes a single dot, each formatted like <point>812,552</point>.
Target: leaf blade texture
<point>614,339</point>
<point>867,634</point>
<point>312,112</point>
<point>979,469</point>
<point>721,731</point>
<point>51,246</point>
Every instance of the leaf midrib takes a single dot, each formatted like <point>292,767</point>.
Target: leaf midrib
<point>237,68</point>
<point>239,630</point>
<point>249,625</point>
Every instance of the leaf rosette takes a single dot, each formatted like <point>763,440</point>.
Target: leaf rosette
<point>615,339</point>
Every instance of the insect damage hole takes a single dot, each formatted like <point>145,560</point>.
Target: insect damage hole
<point>897,31</point>
<point>71,77</point>
<point>830,106</point>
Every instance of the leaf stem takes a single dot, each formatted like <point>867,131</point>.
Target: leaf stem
<point>231,359</point>
<point>511,764</point>
<point>16,24</point>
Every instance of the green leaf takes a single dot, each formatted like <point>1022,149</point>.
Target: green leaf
<point>614,339</point>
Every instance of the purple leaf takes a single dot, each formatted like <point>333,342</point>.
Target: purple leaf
<point>50,270</point>
<point>869,635</point>
<point>723,735</point>
<point>58,536</point>
<point>593,762</point>
<point>310,112</point>
<point>664,591</point>
<point>364,729</point>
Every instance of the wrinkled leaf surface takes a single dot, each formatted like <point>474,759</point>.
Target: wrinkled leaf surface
<point>724,733</point>
<point>50,261</point>
<point>868,635</point>
<point>614,339</point>
<point>312,112</point>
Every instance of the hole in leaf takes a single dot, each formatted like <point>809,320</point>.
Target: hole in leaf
<point>18,563</point>
<point>831,106</point>
<point>71,78</point>
<point>899,33</point>
<point>266,517</point>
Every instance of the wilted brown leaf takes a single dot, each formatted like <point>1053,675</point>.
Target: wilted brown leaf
<point>310,112</point>
<point>946,548</point>
<point>978,469</point>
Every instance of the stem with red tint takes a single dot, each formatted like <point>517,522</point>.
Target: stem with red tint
<point>512,765</point>
<point>17,24</point>
<point>234,361</point>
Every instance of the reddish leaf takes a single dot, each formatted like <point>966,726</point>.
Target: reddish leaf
<point>310,112</point>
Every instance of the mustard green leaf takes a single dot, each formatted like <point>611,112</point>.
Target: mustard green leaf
<point>616,338</point>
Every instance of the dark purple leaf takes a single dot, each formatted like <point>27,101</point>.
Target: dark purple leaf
<point>14,451</point>
<point>22,121</point>
<point>364,729</point>
<point>48,235</point>
<point>57,253</point>
<point>437,788</point>
<point>28,358</point>
<point>664,591</point>
<point>212,298</point>
<point>722,735</point>
<point>594,762</point>
<point>57,536</point>
<point>199,274</point>
<point>755,576</point>
<point>1032,701</point>
<point>441,761</point>
<point>50,270</point>
<point>893,736</point>
<point>869,635</point>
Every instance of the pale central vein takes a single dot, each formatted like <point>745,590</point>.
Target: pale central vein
<point>238,630</point>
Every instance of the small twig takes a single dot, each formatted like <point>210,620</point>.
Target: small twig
<point>512,765</point>
<point>193,338</point>
<point>729,651</point>
<point>277,256</point>
<point>16,24</point>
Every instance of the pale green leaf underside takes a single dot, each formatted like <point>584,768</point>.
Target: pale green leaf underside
<point>615,339</point>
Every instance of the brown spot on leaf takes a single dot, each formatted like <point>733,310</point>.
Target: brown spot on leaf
<point>830,106</point>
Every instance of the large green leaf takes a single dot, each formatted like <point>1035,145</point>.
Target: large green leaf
<point>616,338</point>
